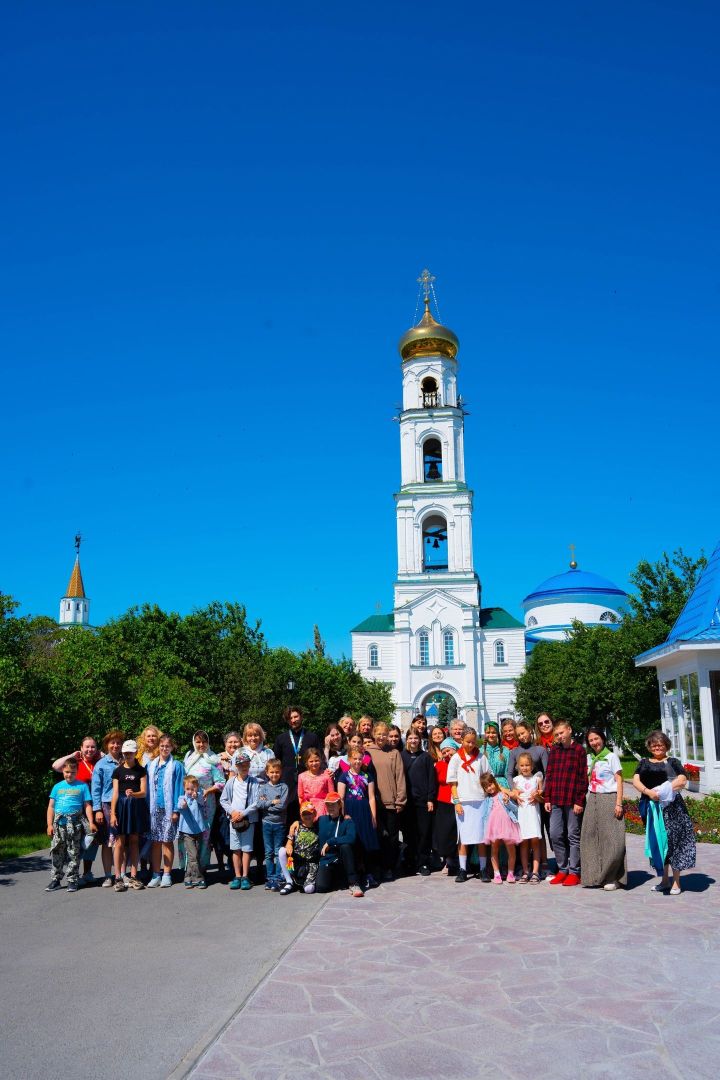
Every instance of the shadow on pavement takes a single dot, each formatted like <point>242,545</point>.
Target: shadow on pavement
<point>29,864</point>
<point>637,878</point>
<point>694,882</point>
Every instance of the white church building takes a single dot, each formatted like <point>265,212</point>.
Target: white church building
<point>438,642</point>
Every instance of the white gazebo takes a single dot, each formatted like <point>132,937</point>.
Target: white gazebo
<point>688,671</point>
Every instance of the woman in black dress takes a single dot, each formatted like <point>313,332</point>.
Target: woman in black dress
<point>651,774</point>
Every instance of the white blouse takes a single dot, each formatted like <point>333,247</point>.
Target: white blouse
<point>467,779</point>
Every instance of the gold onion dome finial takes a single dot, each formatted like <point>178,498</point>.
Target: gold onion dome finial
<point>428,337</point>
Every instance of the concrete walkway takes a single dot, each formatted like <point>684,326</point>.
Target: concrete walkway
<point>111,985</point>
<point>426,978</point>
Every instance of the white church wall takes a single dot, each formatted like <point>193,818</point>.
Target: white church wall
<point>560,614</point>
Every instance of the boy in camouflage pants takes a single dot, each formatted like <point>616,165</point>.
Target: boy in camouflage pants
<point>69,802</point>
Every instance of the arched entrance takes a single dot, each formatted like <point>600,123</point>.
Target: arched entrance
<point>439,707</point>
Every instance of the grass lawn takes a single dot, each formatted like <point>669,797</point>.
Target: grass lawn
<point>629,765</point>
<point>12,847</point>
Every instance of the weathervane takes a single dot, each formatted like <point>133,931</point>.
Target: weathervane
<point>78,542</point>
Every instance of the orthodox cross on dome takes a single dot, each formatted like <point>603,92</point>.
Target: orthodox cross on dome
<point>425,281</point>
<point>573,561</point>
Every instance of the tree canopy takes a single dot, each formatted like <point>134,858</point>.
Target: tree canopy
<point>211,669</point>
<point>591,678</point>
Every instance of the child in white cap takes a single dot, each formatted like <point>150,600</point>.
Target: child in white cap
<point>128,815</point>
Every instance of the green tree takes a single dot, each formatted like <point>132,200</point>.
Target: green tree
<point>591,678</point>
<point>318,643</point>
<point>210,669</point>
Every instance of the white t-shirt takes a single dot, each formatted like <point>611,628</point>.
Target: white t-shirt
<point>468,779</point>
<point>602,780</point>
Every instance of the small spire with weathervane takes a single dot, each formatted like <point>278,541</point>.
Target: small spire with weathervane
<point>75,606</point>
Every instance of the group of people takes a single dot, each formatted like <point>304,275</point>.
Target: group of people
<point>363,804</point>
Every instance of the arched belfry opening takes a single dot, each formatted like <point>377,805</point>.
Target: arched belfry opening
<point>435,547</point>
<point>432,461</point>
<point>430,396</point>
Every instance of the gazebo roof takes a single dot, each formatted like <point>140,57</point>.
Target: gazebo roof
<point>699,621</point>
<point>700,618</point>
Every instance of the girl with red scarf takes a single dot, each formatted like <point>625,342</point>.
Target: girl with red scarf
<point>509,738</point>
<point>463,774</point>
<point>544,730</point>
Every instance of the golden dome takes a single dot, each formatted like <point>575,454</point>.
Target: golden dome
<point>428,338</point>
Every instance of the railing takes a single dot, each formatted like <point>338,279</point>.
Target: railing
<point>430,400</point>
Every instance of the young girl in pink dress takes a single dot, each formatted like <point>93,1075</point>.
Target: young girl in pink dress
<point>500,825</point>
<point>316,782</point>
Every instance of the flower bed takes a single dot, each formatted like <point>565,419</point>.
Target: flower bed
<point>705,815</point>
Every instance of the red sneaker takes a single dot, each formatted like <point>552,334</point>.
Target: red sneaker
<point>558,879</point>
<point>572,879</point>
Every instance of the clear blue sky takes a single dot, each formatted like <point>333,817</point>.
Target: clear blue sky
<point>213,218</point>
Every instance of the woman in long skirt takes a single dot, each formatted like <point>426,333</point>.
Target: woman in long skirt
<point>602,840</point>
<point>670,832</point>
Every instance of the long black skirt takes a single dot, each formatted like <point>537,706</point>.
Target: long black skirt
<point>444,835</point>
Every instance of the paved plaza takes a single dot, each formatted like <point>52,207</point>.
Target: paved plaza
<point>426,978</point>
<point>421,978</point>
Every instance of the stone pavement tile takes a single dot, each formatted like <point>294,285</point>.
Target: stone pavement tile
<point>418,1059</point>
<point>596,983</point>
<point>292,1031</point>
<point>334,1043</point>
<point>218,1061</point>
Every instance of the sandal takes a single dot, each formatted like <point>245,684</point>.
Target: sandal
<point>523,879</point>
<point>534,879</point>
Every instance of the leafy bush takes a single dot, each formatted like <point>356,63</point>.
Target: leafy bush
<point>211,669</point>
<point>704,813</point>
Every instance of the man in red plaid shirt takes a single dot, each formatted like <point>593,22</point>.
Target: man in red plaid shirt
<point>566,784</point>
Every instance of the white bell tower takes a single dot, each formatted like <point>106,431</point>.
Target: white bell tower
<point>75,606</point>
<point>438,649</point>
<point>437,592</point>
<point>434,504</point>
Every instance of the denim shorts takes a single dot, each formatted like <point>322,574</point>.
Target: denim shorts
<point>242,841</point>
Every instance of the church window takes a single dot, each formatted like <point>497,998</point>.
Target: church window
<point>424,648</point>
<point>430,396</point>
<point>432,461</point>
<point>373,656</point>
<point>449,646</point>
<point>608,616</point>
<point>499,652</point>
<point>67,606</point>
<point>435,547</point>
<point>532,621</point>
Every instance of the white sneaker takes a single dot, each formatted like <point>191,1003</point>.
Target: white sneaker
<point>611,886</point>
<point>107,883</point>
<point>154,882</point>
<point>166,881</point>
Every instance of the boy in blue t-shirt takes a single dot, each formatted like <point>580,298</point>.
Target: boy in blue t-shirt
<point>69,800</point>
